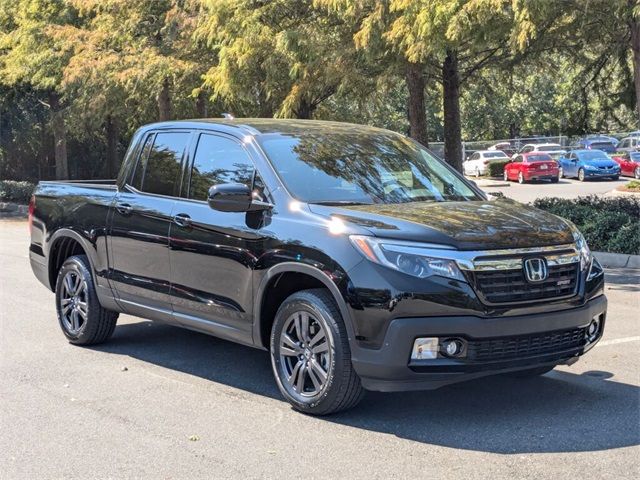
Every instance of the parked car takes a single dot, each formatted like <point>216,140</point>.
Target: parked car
<point>629,144</point>
<point>526,167</point>
<point>554,150</point>
<point>585,164</point>
<point>478,162</point>
<point>505,147</point>
<point>635,134</point>
<point>595,144</point>
<point>629,164</point>
<point>604,138</point>
<point>352,254</point>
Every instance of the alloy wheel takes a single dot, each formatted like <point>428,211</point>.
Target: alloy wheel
<point>305,354</point>
<point>636,173</point>
<point>581,175</point>
<point>74,307</point>
<point>560,173</point>
<point>520,178</point>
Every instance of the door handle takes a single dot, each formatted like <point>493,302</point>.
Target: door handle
<point>124,208</point>
<point>182,220</point>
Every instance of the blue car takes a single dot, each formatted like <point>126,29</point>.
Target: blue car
<point>585,164</point>
<point>596,143</point>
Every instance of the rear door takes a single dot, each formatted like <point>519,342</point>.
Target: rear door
<point>213,253</point>
<point>142,213</point>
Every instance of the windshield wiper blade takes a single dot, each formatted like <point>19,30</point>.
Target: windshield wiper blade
<point>339,203</point>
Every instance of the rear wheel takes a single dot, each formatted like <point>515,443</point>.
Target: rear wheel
<point>636,173</point>
<point>82,319</point>
<point>506,176</point>
<point>477,172</point>
<point>310,355</point>
<point>532,372</point>
<point>560,173</point>
<point>581,175</point>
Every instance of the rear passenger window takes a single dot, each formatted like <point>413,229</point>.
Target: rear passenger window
<point>218,160</point>
<point>162,166</point>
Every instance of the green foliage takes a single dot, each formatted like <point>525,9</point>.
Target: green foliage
<point>18,192</point>
<point>608,224</point>
<point>496,168</point>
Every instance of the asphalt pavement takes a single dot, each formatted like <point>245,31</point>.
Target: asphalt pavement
<point>158,402</point>
<point>565,188</point>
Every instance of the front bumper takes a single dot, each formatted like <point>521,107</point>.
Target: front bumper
<point>390,368</point>
<point>601,174</point>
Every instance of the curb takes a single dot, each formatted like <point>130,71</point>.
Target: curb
<point>13,210</point>
<point>617,260</point>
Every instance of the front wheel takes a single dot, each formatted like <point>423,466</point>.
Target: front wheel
<point>520,178</point>
<point>81,317</point>
<point>560,173</point>
<point>581,175</point>
<point>310,355</point>
<point>506,176</point>
<point>617,177</point>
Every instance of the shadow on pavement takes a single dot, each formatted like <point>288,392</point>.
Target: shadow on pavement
<point>559,412</point>
<point>625,279</point>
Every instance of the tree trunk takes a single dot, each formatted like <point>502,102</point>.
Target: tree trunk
<point>451,105</point>
<point>416,83</point>
<point>201,105</point>
<point>111,132</point>
<point>305,110</point>
<point>59,137</point>
<point>164,101</point>
<point>635,46</point>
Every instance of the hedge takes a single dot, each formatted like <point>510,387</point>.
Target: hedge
<point>496,167</point>
<point>18,192</point>
<point>609,224</point>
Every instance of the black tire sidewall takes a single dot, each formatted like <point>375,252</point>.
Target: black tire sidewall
<point>302,301</point>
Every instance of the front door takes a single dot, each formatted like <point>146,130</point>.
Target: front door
<point>140,219</point>
<point>212,253</point>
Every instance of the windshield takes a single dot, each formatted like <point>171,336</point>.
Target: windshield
<point>341,168</point>
<point>549,148</point>
<point>635,156</point>
<point>602,145</point>
<point>594,155</point>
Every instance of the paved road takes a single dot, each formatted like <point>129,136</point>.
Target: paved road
<point>190,406</point>
<point>566,188</point>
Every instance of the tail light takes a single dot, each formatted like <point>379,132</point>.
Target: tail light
<point>486,162</point>
<point>32,209</point>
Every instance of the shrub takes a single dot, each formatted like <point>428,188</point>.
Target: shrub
<point>18,192</point>
<point>496,168</point>
<point>608,224</point>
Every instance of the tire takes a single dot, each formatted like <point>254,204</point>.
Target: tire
<point>521,179</point>
<point>636,173</point>
<point>581,176</point>
<point>560,173</point>
<point>88,325</point>
<point>555,179</point>
<point>341,388</point>
<point>617,177</point>
<point>506,176</point>
<point>531,372</point>
<point>477,173</point>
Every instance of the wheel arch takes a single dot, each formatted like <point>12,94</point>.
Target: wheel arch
<point>264,311</point>
<point>64,244</point>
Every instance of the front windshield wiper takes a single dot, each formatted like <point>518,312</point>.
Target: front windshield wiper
<point>339,203</point>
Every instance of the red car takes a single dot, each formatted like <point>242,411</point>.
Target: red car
<point>531,166</point>
<point>629,164</point>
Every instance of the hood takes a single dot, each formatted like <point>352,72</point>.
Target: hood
<point>473,225</point>
<point>600,162</point>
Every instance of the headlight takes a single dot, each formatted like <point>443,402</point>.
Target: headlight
<point>406,257</point>
<point>583,248</point>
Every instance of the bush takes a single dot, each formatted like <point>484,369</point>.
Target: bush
<point>608,224</point>
<point>496,168</point>
<point>18,192</point>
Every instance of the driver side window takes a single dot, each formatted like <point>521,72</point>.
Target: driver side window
<point>218,160</point>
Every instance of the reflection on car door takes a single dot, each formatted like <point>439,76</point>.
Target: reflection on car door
<point>139,243</point>
<point>212,253</point>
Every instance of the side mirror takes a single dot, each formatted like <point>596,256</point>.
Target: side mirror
<point>234,197</point>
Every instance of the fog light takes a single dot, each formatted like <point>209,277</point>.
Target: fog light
<point>592,330</point>
<point>425,348</point>
<point>452,347</point>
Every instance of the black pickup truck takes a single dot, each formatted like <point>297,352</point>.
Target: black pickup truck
<point>355,256</point>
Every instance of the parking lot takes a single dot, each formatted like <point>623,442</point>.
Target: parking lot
<point>160,402</point>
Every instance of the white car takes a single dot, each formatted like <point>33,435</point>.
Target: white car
<point>555,150</point>
<point>477,163</point>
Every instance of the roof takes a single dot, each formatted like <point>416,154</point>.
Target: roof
<point>260,126</point>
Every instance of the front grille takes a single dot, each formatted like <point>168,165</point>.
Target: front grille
<point>511,286</point>
<point>506,348</point>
